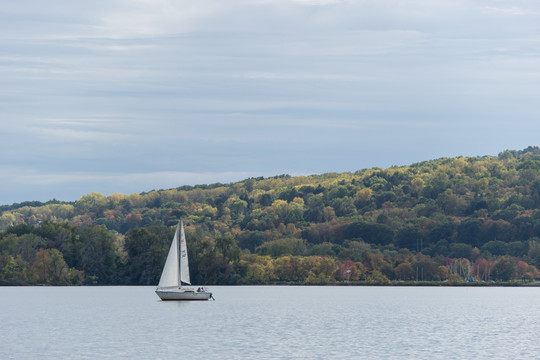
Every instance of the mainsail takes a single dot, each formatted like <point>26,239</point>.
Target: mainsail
<point>169,276</point>
<point>184,265</point>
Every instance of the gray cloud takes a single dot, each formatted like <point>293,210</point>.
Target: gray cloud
<point>97,93</point>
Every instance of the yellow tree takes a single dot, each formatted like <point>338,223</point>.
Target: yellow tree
<point>91,203</point>
<point>289,212</point>
<point>320,270</point>
<point>260,269</point>
<point>50,268</point>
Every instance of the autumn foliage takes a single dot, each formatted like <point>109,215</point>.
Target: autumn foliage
<point>459,219</point>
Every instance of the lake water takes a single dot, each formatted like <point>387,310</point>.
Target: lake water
<point>271,322</point>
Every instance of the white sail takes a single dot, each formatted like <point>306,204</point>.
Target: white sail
<point>184,264</point>
<point>169,276</point>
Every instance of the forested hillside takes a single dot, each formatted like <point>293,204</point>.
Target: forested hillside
<point>456,219</point>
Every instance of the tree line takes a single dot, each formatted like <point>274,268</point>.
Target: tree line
<point>450,219</point>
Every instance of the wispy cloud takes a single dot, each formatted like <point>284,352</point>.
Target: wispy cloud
<point>101,129</point>
<point>510,10</point>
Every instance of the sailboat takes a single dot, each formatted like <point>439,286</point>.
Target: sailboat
<point>176,273</point>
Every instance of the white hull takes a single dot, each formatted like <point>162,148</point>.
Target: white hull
<point>182,294</point>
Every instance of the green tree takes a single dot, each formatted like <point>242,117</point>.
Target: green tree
<point>288,268</point>
<point>426,269</point>
<point>314,208</point>
<point>409,237</point>
<point>534,252</point>
<point>98,257</point>
<point>282,247</point>
<point>147,250</point>
<point>504,268</point>
<point>370,233</point>
<point>228,247</point>
<point>404,271</point>
<point>236,206</point>
<point>15,271</point>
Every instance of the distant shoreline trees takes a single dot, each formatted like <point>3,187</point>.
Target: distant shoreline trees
<point>455,220</point>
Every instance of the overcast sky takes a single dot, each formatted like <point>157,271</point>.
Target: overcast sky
<point>133,95</point>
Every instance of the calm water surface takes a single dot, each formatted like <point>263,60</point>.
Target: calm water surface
<point>275,322</point>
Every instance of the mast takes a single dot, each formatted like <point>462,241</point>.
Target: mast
<point>179,255</point>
